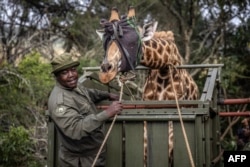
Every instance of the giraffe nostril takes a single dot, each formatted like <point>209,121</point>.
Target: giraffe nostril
<point>110,67</point>
<point>106,67</point>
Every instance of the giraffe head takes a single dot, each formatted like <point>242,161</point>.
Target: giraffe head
<point>121,42</point>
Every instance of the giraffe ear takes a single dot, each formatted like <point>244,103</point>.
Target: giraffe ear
<point>148,31</point>
<point>114,15</point>
<point>131,11</point>
<point>100,33</point>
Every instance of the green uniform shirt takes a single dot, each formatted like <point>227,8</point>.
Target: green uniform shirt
<point>80,126</point>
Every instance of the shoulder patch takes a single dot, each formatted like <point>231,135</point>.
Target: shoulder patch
<point>60,110</point>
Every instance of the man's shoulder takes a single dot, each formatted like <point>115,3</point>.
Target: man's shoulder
<point>60,100</point>
<point>82,87</point>
<point>56,95</point>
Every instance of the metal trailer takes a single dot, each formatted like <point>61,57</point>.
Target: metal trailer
<point>125,142</point>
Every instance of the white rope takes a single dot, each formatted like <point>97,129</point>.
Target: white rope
<point>181,121</point>
<point>109,130</point>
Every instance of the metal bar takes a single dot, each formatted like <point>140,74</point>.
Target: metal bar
<point>234,101</point>
<point>115,146</point>
<point>208,149</point>
<point>211,86</point>
<point>157,143</point>
<point>205,88</point>
<point>133,144</point>
<point>232,114</point>
<point>199,134</point>
<point>182,66</point>
<point>156,106</point>
<point>156,102</point>
<point>52,149</point>
<point>154,118</point>
<point>169,111</point>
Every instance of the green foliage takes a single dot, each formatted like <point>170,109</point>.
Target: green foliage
<point>229,144</point>
<point>38,74</point>
<point>14,96</point>
<point>23,97</point>
<point>24,89</point>
<point>15,148</point>
<point>236,60</point>
<point>88,62</point>
<point>232,71</point>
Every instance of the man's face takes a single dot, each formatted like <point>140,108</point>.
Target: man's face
<point>68,77</point>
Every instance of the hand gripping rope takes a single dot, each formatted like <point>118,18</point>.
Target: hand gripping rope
<point>109,130</point>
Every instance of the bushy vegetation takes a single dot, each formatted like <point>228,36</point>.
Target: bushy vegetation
<point>22,110</point>
<point>17,148</point>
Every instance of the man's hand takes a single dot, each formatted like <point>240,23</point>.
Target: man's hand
<point>114,108</point>
<point>113,97</point>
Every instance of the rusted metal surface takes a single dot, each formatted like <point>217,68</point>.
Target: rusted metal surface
<point>232,114</point>
<point>234,101</point>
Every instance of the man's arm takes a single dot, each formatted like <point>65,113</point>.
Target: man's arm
<point>75,125</point>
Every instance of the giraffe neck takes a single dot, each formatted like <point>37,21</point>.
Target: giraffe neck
<point>160,85</point>
<point>159,53</point>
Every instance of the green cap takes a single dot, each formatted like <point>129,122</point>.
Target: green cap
<point>63,62</point>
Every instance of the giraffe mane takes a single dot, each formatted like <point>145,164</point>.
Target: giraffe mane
<point>169,35</point>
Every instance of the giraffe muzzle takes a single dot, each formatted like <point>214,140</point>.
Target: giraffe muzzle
<point>107,72</point>
<point>106,67</point>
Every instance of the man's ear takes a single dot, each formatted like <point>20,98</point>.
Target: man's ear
<point>100,33</point>
<point>148,31</point>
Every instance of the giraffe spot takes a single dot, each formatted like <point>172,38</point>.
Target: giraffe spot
<point>154,44</point>
<point>159,88</point>
<point>187,81</point>
<point>159,80</point>
<point>177,77</point>
<point>146,43</point>
<point>163,73</point>
<point>163,42</point>
<point>165,83</point>
<point>192,87</point>
<point>160,50</point>
<point>168,49</point>
<point>169,88</point>
<point>187,91</point>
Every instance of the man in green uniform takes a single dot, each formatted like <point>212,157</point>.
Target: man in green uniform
<point>72,108</point>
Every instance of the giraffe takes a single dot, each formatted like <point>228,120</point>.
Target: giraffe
<point>125,47</point>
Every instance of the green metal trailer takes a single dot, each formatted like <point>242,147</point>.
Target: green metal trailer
<point>125,142</point>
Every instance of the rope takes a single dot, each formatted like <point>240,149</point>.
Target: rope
<point>181,121</point>
<point>109,130</point>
